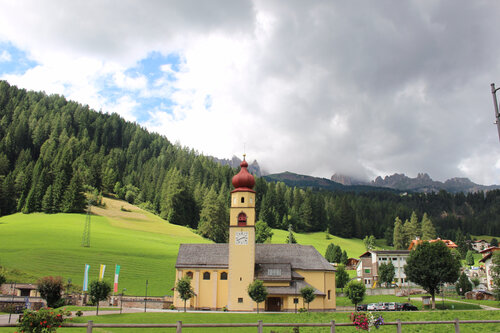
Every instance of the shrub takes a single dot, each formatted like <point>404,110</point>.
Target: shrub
<point>50,289</point>
<point>79,313</point>
<point>44,320</point>
<point>172,307</point>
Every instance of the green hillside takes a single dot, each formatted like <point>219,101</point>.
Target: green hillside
<point>353,246</point>
<point>41,244</point>
<point>144,245</point>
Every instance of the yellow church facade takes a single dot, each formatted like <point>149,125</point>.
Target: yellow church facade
<point>220,273</point>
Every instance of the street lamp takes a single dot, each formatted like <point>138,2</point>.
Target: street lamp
<point>121,299</point>
<point>495,102</point>
<point>146,298</point>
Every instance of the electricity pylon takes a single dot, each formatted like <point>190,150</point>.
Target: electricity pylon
<point>86,229</point>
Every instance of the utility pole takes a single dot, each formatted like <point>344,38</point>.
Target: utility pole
<point>495,102</point>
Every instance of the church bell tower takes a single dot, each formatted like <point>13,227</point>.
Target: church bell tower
<point>241,240</point>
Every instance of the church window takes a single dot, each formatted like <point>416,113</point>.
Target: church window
<point>240,300</point>
<point>329,294</point>
<point>242,199</point>
<point>242,219</point>
<point>189,274</point>
<point>223,276</point>
<point>274,272</point>
<point>206,276</point>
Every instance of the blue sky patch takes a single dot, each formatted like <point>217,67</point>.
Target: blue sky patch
<point>14,60</point>
<point>150,68</point>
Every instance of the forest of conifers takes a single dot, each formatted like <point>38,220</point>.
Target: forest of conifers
<point>53,150</point>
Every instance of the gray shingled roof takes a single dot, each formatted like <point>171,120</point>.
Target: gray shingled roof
<point>216,256</point>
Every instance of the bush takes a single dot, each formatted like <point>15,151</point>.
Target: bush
<point>44,320</point>
<point>79,313</point>
<point>50,289</point>
<point>172,307</point>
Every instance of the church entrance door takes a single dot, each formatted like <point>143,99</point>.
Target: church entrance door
<point>273,304</point>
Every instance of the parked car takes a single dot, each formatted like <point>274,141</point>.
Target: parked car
<point>409,307</point>
<point>372,307</point>
<point>381,306</point>
<point>391,306</point>
<point>362,307</point>
<point>399,306</point>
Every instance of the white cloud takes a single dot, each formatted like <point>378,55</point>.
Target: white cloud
<point>310,87</point>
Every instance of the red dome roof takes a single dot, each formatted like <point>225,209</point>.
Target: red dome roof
<point>243,180</point>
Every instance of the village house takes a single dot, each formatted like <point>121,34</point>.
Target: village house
<point>449,243</point>
<point>487,259</point>
<point>367,268</point>
<point>479,245</point>
<point>221,273</point>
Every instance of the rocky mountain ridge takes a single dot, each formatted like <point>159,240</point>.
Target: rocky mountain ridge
<point>234,162</point>
<point>422,183</point>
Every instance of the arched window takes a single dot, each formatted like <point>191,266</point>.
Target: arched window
<point>242,199</point>
<point>189,274</point>
<point>206,276</point>
<point>223,276</point>
<point>242,219</point>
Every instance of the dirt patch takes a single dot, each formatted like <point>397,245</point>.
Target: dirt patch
<point>114,210</point>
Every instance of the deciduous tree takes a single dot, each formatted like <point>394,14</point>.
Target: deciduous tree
<point>308,295</point>
<point>257,292</point>
<point>98,291</point>
<point>183,287</point>
<point>355,291</point>
<point>386,273</point>
<point>430,265</point>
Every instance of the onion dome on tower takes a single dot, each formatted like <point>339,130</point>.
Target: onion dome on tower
<point>243,181</point>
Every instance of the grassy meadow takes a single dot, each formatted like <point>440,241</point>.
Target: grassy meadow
<point>144,245</point>
<point>339,317</point>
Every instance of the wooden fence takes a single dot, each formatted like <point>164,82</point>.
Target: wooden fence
<point>260,325</point>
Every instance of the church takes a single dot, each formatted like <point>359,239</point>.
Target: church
<point>220,273</point>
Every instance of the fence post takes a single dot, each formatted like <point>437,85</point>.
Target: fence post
<point>179,326</point>
<point>260,327</point>
<point>457,326</point>
<point>399,325</point>
<point>332,327</point>
<point>90,323</point>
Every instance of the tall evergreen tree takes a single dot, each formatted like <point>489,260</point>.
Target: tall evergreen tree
<point>428,231</point>
<point>213,223</point>
<point>399,235</point>
<point>74,199</point>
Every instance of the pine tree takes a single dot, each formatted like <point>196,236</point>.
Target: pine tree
<point>47,201</point>
<point>290,238</point>
<point>469,258</point>
<point>399,237</point>
<point>329,254</point>
<point>344,259</point>
<point>462,245</point>
<point>413,228</point>
<point>428,231</point>
<point>213,222</point>
<point>74,199</point>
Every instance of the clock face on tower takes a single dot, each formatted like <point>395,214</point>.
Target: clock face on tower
<point>241,238</point>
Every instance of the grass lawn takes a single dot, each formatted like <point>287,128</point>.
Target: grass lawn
<point>36,245</point>
<point>341,317</point>
<point>353,246</point>
<point>74,308</point>
<point>493,304</point>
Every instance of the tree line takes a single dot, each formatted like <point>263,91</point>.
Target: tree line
<point>53,151</point>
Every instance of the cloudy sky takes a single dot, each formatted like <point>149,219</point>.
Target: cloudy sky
<point>363,88</point>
